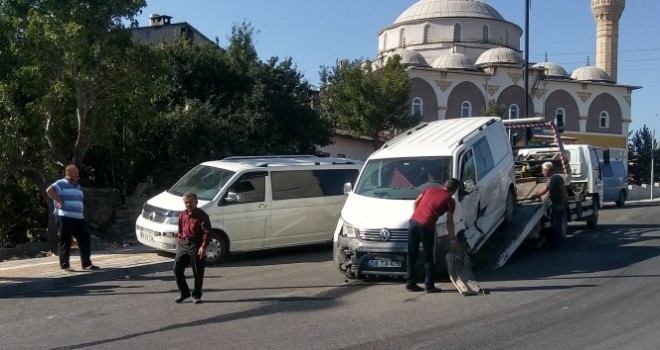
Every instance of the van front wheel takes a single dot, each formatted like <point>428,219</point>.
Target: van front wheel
<point>218,248</point>
<point>622,199</point>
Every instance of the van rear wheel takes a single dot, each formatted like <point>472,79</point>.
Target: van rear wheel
<point>218,249</point>
<point>510,207</point>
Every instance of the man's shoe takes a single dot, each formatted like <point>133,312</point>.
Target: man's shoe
<point>432,289</point>
<point>413,288</point>
<point>182,298</point>
<point>91,268</point>
<point>197,301</point>
<point>67,268</point>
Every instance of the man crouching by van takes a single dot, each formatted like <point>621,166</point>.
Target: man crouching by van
<point>192,239</point>
<point>432,203</point>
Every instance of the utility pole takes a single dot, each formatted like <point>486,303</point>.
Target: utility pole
<point>652,160</point>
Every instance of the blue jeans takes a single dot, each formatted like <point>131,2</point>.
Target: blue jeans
<point>419,233</point>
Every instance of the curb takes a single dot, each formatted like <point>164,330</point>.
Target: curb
<point>31,285</point>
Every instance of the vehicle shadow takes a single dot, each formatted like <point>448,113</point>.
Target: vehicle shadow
<point>610,247</point>
<point>278,256</point>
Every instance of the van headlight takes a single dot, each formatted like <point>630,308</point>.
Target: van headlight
<point>172,220</point>
<point>350,231</point>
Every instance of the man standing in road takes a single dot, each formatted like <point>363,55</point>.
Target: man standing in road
<point>192,239</point>
<point>559,197</point>
<point>432,203</point>
<point>67,196</point>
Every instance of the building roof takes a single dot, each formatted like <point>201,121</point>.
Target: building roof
<point>591,73</point>
<point>499,55</point>
<point>552,70</point>
<point>453,60</point>
<point>428,9</point>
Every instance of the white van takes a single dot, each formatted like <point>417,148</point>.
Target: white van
<point>371,235</point>
<point>254,203</point>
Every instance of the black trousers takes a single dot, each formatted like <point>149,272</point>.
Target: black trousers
<point>419,233</point>
<point>67,228</point>
<point>186,254</point>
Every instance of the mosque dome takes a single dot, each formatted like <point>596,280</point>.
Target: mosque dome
<point>428,9</point>
<point>410,57</point>
<point>453,60</point>
<point>591,73</point>
<point>499,55</point>
<point>552,70</point>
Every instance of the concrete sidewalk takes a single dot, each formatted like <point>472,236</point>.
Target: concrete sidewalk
<point>32,275</point>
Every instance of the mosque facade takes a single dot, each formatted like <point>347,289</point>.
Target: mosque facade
<point>462,54</point>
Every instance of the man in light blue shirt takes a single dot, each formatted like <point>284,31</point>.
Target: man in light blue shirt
<point>67,196</point>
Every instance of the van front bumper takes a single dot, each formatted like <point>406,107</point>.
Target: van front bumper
<point>357,258</point>
<point>156,235</point>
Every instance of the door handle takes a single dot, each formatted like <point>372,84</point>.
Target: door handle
<point>262,205</point>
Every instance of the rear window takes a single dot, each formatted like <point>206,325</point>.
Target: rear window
<point>292,184</point>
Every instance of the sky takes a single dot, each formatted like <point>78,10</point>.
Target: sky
<point>315,33</point>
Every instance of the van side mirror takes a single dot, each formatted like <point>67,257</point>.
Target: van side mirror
<point>348,188</point>
<point>231,197</point>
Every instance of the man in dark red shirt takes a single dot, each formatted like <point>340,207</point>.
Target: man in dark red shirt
<point>193,238</point>
<point>432,203</point>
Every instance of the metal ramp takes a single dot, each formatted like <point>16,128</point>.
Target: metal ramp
<point>460,272</point>
<point>504,242</point>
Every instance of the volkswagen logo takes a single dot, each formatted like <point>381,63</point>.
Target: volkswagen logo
<point>152,216</point>
<point>385,235</point>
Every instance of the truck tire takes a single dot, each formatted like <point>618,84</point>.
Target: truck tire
<point>622,199</point>
<point>593,221</point>
<point>218,249</point>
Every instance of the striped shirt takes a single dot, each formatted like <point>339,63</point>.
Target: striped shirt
<point>72,199</point>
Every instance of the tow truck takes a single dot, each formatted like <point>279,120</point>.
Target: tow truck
<point>531,217</point>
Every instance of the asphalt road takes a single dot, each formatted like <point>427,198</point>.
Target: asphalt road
<point>601,291</point>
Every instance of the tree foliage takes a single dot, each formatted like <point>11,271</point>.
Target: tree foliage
<point>641,149</point>
<point>366,101</point>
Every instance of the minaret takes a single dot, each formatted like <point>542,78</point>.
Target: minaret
<point>607,14</point>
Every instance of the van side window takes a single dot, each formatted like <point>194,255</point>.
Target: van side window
<point>483,157</point>
<point>468,171</point>
<point>607,171</point>
<point>251,187</point>
<point>292,184</point>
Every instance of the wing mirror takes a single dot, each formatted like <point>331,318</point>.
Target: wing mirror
<point>348,188</point>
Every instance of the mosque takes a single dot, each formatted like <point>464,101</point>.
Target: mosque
<point>462,54</point>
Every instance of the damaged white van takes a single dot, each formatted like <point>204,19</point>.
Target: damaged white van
<point>371,235</point>
<point>254,203</point>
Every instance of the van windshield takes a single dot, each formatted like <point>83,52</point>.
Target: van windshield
<point>402,178</point>
<point>203,180</point>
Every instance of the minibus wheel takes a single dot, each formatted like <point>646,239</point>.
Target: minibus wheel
<point>218,249</point>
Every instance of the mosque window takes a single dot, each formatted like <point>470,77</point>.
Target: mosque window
<point>604,120</point>
<point>514,111</point>
<point>486,34</point>
<point>384,42</point>
<point>560,120</point>
<point>466,109</point>
<point>457,32</point>
<point>402,38</point>
<point>506,39</point>
<point>427,34</point>
<point>417,106</point>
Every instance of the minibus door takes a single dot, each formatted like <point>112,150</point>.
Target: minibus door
<point>245,211</point>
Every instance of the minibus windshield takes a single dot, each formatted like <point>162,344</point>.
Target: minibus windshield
<point>402,178</point>
<point>203,180</point>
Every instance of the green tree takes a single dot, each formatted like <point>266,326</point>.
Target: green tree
<point>493,109</point>
<point>62,56</point>
<point>367,102</point>
<point>641,148</point>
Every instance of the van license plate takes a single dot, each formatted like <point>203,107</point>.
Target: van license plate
<point>147,235</point>
<point>383,263</point>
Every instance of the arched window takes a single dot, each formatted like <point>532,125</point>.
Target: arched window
<point>506,40</point>
<point>514,111</point>
<point>384,42</point>
<point>604,120</point>
<point>560,117</point>
<point>466,109</point>
<point>402,38</point>
<point>457,32</point>
<point>427,34</point>
<point>417,106</point>
<point>486,34</point>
